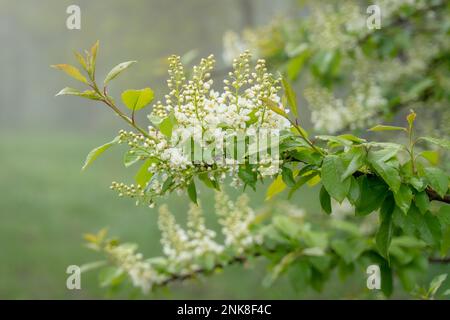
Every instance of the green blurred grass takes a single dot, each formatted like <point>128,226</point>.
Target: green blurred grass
<point>47,203</point>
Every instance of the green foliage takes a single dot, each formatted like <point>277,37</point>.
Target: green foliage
<point>117,70</point>
<point>90,94</point>
<point>384,234</point>
<point>137,99</point>
<point>192,192</point>
<point>290,95</point>
<point>437,179</point>
<point>71,71</point>
<point>325,200</point>
<point>95,153</point>
<point>387,128</point>
<point>332,172</point>
<point>430,292</point>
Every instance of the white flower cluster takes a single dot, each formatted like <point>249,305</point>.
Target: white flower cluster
<point>183,246</point>
<point>340,27</point>
<point>360,108</point>
<point>142,274</point>
<point>364,104</point>
<point>333,28</point>
<point>263,42</point>
<point>190,250</point>
<point>195,119</point>
<point>235,219</point>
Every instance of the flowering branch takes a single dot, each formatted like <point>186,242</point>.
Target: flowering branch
<point>193,137</point>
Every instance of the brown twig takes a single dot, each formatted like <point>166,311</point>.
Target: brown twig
<point>444,260</point>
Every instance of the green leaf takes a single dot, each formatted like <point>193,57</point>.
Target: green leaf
<point>93,265</point>
<point>444,143</point>
<point>286,227</point>
<point>299,274</point>
<point>167,184</point>
<point>95,153</point>
<point>408,242</point>
<point>117,70</point>
<point>302,179</point>
<point>357,159</point>
<point>437,179</point>
<point>210,183</point>
<point>275,187</point>
<point>431,156</point>
<point>290,94</point>
<point>279,268</point>
<point>326,64</point>
<point>387,281</point>
<point>422,202</point>
<point>351,137</point>
<point>295,64</point>
<point>418,183</point>
<point>155,120</point>
<point>71,71</point>
<point>405,222</point>
<point>418,88</point>
<point>208,260</point>
<point>353,193</point>
<point>89,94</point>
<point>130,157</point>
<point>288,176</point>
<point>166,126</point>
<point>325,200</point>
<point>111,276</point>
<point>434,227</point>
<point>387,171</point>
<point>94,51</point>
<point>81,60</point>
<point>372,192</point>
<point>403,198</point>
<point>348,250</point>
<point>192,192</point>
<point>334,141</point>
<point>306,155</point>
<point>387,128</point>
<point>248,176</point>
<point>436,283</point>
<point>444,215</point>
<point>445,245</point>
<point>137,99</point>
<point>332,171</point>
<point>384,235</point>
<point>274,107</point>
<point>427,226</point>
<point>143,175</point>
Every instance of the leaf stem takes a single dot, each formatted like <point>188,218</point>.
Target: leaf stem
<point>105,99</point>
<point>302,135</point>
<point>411,149</point>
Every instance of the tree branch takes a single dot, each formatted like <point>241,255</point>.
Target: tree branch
<point>433,195</point>
<point>444,260</point>
<point>243,259</point>
<point>195,273</point>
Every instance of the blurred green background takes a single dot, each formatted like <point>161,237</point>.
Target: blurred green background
<point>46,203</point>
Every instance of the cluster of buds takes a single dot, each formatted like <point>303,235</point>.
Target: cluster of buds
<point>132,190</point>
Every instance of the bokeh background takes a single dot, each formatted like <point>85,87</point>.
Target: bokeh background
<point>46,202</point>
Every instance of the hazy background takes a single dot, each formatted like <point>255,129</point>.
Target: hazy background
<point>46,203</point>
